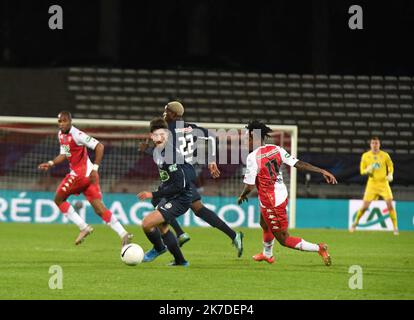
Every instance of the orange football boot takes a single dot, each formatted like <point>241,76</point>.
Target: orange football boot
<point>323,252</point>
<point>261,257</point>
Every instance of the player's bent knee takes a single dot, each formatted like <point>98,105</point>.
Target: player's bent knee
<point>59,201</point>
<point>147,224</point>
<point>281,237</point>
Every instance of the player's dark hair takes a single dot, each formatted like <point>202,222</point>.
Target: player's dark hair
<point>375,138</point>
<point>258,125</point>
<point>158,123</point>
<point>66,113</point>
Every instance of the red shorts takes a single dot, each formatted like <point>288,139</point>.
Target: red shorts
<point>276,217</point>
<point>77,185</point>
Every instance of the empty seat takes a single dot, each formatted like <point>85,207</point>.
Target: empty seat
<point>403,125</point>
<point>317,123</point>
<point>326,114</point>
<point>406,133</point>
<point>362,86</point>
<point>304,123</point>
<point>321,132</point>
<point>360,124</point>
<point>364,105</point>
<point>332,123</point>
<point>349,86</point>
<point>357,150</point>
<point>306,131</point>
<point>330,141</point>
<point>329,150</point>
<point>348,132</point>
<point>298,113</point>
<point>343,150</point>
<point>376,133</point>
<point>364,133</point>
<point>358,142</point>
<point>312,114</point>
<point>401,151</point>
<point>315,140</point>
<point>401,143</point>
<point>388,124</point>
<point>335,132</point>
<point>362,78</point>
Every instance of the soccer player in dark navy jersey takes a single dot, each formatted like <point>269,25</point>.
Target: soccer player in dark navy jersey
<point>184,139</point>
<point>171,200</point>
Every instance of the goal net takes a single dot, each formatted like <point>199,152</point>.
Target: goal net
<point>26,142</point>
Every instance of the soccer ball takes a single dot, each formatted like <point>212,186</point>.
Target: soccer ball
<point>132,254</point>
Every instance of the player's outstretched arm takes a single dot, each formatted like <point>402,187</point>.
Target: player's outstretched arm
<point>47,165</point>
<point>243,196</point>
<point>146,147</point>
<point>329,177</point>
<point>144,195</point>
<point>214,170</point>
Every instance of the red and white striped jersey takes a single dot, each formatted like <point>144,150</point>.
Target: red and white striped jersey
<point>73,145</point>
<point>263,168</point>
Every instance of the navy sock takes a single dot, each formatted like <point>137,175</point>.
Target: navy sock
<point>154,236</point>
<point>213,220</point>
<point>171,242</point>
<point>177,228</point>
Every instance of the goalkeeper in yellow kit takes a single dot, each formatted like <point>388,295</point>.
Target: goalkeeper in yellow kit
<point>378,166</point>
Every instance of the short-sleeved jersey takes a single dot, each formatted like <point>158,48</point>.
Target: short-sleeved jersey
<point>382,165</point>
<point>185,136</point>
<point>174,180</point>
<point>73,145</point>
<point>263,168</point>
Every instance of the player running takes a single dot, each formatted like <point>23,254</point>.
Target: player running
<point>171,200</point>
<point>263,171</point>
<point>378,166</point>
<point>184,138</point>
<point>83,178</point>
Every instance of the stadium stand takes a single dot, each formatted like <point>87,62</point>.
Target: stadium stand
<point>335,113</point>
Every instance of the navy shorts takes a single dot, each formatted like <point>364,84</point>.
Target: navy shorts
<point>195,195</point>
<point>173,208</point>
<point>192,176</point>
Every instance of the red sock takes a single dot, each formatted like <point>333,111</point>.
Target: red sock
<point>64,207</point>
<point>268,236</point>
<point>107,215</point>
<point>292,242</point>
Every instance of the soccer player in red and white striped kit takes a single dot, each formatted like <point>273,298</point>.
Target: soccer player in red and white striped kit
<point>263,171</point>
<point>83,178</point>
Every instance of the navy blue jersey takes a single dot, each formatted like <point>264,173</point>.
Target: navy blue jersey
<point>185,138</point>
<point>174,181</point>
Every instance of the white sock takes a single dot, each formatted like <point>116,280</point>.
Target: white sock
<point>268,248</point>
<point>117,227</point>
<point>73,216</point>
<point>307,246</point>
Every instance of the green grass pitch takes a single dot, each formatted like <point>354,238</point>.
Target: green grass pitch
<point>94,270</point>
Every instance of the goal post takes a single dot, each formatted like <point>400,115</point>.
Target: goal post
<point>123,167</point>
